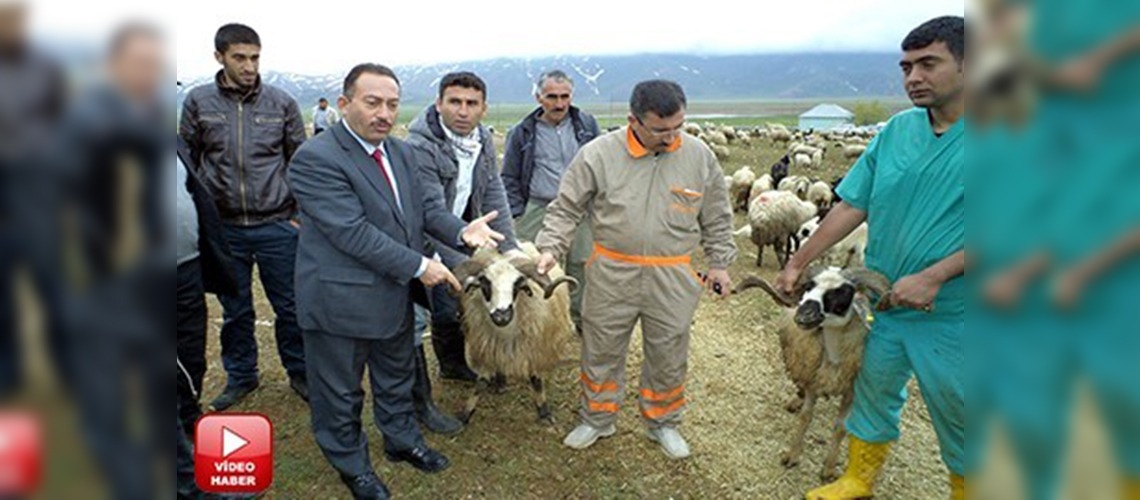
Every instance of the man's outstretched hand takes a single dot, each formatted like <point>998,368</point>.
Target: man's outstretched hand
<point>479,233</point>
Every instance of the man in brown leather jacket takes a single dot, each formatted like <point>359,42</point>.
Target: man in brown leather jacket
<point>242,133</point>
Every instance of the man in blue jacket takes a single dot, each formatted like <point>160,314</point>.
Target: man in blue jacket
<point>539,150</point>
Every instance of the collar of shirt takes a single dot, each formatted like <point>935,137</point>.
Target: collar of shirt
<point>637,150</point>
<point>368,147</point>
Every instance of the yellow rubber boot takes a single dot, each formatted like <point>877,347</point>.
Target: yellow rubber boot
<point>957,487</point>
<point>864,462</point>
<point>1131,489</point>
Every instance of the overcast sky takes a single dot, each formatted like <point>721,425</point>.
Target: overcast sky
<point>329,36</point>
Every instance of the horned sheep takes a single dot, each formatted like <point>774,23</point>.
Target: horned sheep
<point>822,336</point>
<point>515,320</point>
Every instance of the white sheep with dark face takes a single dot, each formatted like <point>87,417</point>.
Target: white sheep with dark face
<point>515,320</point>
<point>821,342</point>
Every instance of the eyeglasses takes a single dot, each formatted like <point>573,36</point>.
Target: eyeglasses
<point>660,133</point>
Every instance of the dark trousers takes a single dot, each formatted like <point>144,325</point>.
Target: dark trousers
<point>15,253</point>
<point>186,488</point>
<point>446,332</point>
<point>336,398</point>
<point>120,350</point>
<point>273,247</point>
<point>191,346</point>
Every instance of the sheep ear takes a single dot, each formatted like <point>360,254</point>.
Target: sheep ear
<point>778,295</point>
<point>469,283</point>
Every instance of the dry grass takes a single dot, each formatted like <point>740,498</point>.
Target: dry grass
<point>735,423</point>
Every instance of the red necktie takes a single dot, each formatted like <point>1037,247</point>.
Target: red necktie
<point>379,157</point>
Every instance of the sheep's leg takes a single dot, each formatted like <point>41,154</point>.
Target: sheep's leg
<point>499,383</point>
<point>781,251</point>
<point>796,403</point>
<point>828,473</point>
<point>481,386</point>
<point>792,457</point>
<point>759,255</point>
<point>544,414</point>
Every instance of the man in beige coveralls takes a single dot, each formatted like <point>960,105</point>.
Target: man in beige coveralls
<point>656,195</point>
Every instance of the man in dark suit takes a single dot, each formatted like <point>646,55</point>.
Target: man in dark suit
<point>360,267</point>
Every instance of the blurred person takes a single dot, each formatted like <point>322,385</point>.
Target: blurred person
<point>32,104</point>
<point>1087,64</point>
<point>242,134</point>
<point>361,265</point>
<point>908,187</point>
<point>323,116</point>
<point>456,157</point>
<point>117,266</point>
<point>539,150</point>
<point>653,195</point>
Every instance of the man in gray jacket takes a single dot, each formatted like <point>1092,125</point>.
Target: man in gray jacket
<point>456,158</point>
<point>242,133</point>
<point>539,150</point>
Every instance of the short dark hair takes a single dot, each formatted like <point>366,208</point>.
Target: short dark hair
<point>323,99</point>
<point>948,29</point>
<point>127,32</point>
<point>234,34</point>
<point>663,97</point>
<point>465,79</point>
<point>360,69</point>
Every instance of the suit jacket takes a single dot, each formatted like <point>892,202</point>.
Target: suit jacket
<point>214,253</point>
<point>358,254</point>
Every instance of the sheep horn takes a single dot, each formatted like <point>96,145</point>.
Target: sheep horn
<point>467,273</point>
<point>469,268</point>
<point>874,282</point>
<point>549,290</point>
<point>757,282</point>
<point>529,268</point>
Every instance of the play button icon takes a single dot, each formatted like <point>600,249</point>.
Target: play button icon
<point>231,442</point>
<point>233,453</point>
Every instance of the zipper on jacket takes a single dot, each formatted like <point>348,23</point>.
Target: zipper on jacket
<point>241,166</point>
<point>648,203</point>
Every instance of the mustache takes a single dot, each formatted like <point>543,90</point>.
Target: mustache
<point>382,122</point>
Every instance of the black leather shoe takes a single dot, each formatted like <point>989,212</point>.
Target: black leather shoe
<point>366,487</point>
<point>300,385</point>
<point>422,458</point>
<point>232,395</point>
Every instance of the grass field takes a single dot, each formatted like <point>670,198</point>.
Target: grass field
<point>735,423</point>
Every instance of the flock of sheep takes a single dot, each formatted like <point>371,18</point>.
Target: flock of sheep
<point>517,321</point>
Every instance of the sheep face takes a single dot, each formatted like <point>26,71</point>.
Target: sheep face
<point>499,285</point>
<point>826,301</point>
<point>825,296</point>
<point>500,280</point>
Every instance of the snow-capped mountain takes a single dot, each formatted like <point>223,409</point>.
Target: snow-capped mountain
<point>609,78</point>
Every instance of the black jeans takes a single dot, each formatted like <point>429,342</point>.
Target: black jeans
<point>191,347</point>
